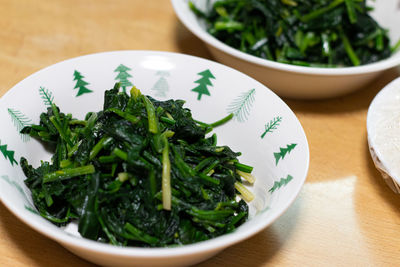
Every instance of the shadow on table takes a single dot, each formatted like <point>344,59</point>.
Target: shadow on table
<point>380,217</point>
<point>40,250</point>
<point>188,43</point>
<point>379,185</point>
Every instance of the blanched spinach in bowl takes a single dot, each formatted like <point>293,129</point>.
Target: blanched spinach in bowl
<point>316,33</point>
<point>140,172</point>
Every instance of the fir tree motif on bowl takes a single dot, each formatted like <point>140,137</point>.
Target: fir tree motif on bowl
<point>80,84</point>
<point>161,87</point>
<point>20,121</point>
<point>241,106</point>
<point>204,82</point>
<point>123,76</point>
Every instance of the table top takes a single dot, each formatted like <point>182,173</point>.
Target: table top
<point>345,213</point>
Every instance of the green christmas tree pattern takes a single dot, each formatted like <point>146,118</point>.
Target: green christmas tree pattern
<point>271,125</point>
<point>8,154</point>
<point>240,106</point>
<point>31,210</point>
<point>19,188</point>
<point>203,82</point>
<point>280,183</point>
<point>123,76</point>
<point>80,84</point>
<point>283,151</point>
<point>15,184</point>
<point>161,86</point>
<point>46,96</point>
<point>20,121</point>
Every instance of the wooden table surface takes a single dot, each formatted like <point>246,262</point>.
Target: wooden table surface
<point>345,214</point>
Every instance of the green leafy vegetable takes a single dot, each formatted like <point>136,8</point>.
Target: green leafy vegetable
<point>140,172</point>
<point>316,33</point>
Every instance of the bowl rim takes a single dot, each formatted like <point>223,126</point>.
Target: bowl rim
<point>184,17</point>
<point>386,91</point>
<point>215,244</point>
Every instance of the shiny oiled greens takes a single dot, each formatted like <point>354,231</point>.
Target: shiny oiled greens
<point>318,33</point>
<point>141,172</point>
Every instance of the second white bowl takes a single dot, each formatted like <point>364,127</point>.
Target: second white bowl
<point>296,81</point>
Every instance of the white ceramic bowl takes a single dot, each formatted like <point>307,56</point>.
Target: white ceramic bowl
<point>383,127</point>
<point>264,129</point>
<point>296,81</point>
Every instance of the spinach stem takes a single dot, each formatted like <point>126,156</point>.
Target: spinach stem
<point>166,176</point>
<point>99,146</point>
<point>396,46</point>
<point>222,121</point>
<point>120,154</point>
<point>108,159</point>
<point>316,13</point>
<point>203,163</point>
<point>245,193</point>
<point>61,131</point>
<point>151,115</point>
<point>212,165</point>
<point>167,120</point>
<point>140,235</point>
<point>68,173</point>
<point>349,49</point>
<point>125,115</point>
<point>243,167</point>
<point>351,11</point>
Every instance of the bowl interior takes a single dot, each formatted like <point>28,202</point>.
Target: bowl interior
<point>264,129</point>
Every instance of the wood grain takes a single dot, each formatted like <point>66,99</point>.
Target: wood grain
<point>344,216</point>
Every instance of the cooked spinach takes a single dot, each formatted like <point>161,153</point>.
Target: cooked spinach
<point>318,33</point>
<point>140,172</point>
